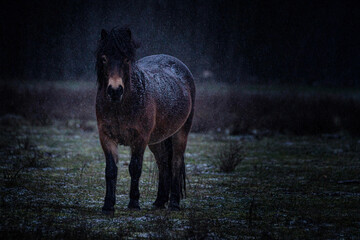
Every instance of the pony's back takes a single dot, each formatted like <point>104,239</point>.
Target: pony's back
<point>161,71</point>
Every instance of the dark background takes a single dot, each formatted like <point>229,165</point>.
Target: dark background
<point>280,99</point>
<point>307,42</point>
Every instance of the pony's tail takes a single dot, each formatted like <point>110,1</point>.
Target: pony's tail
<point>183,179</point>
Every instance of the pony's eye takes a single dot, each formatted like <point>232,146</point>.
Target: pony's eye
<point>104,59</point>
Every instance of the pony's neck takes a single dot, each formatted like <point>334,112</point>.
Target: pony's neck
<point>136,80</point>
<point>135,87</point>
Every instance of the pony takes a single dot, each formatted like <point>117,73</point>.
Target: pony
<point>148,102</point>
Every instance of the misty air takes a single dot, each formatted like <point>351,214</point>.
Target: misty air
<point>179,119</point>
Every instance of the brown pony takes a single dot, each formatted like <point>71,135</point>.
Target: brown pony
<point>149,102</point>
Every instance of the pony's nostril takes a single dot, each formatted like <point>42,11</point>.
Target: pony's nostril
<point>119,90</point>
<point>115,94</point>
<point>110,91</point>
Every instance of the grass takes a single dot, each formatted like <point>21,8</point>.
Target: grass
<point>298,178</point>
<point>229,157</point>
<point>287,187</point>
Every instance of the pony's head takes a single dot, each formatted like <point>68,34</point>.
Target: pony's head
<point>114,56</point>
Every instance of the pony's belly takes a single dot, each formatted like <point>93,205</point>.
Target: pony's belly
<point>157,138</point>
<point>169,124</point>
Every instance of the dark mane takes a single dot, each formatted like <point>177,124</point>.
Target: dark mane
<point>118,43</point>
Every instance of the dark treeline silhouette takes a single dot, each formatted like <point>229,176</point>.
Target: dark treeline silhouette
<point>285,41</point>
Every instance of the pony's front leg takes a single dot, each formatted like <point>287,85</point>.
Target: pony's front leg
<point>135,168</point>
<point>110,151</point>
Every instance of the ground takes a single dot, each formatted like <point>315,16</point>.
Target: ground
<point>52,186</point>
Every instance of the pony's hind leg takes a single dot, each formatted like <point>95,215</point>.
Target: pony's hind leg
<point>177,169</point>
<point>163,155</point>
<point>179,141</point>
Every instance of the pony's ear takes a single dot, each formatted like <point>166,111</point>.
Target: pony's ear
<point>104,34</point>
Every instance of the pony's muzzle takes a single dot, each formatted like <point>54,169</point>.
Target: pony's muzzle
<point>115,94</point>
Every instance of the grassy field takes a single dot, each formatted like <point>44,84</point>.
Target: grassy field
<point>299,179</point>
<point>52,186</point>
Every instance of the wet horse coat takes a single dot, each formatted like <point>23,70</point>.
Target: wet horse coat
<point>153,106</point>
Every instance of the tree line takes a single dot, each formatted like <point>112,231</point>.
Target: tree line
<point>285,41</point>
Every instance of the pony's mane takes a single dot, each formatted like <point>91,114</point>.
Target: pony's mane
<point>118,43</point>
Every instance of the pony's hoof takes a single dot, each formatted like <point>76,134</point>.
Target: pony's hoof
<point>159,205</point>
<point>108,211</point>
<point>174,207</point>
<point>134,205</point>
